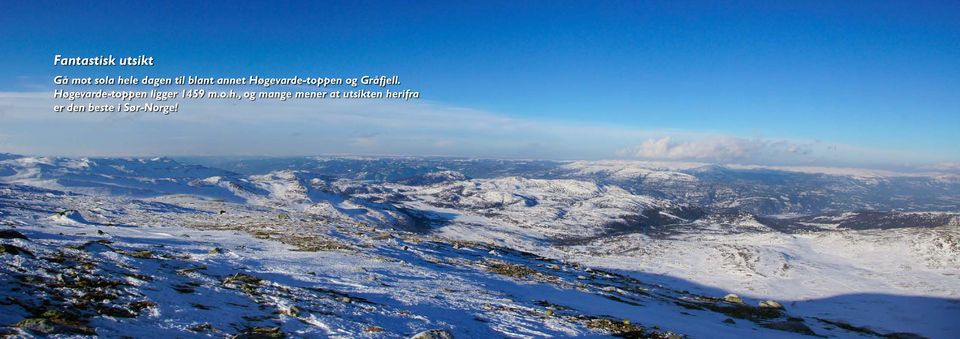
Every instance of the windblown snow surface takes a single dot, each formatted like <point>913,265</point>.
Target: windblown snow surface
<point>373,247</point>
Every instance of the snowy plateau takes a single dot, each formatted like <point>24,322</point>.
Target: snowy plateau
<point>401,247</point>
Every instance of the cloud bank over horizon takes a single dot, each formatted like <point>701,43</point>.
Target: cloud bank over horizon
<point>295,128</point>
<point>718,149</point>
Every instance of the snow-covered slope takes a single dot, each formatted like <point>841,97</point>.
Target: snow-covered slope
<point>477,248</point>
<point>242,273</point>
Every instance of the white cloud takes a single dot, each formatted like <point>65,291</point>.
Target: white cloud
<point>364,141</point>
<point>721,149</point>
<point>949,166</point>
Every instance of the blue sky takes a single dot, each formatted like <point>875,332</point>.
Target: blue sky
<point>871,83</point>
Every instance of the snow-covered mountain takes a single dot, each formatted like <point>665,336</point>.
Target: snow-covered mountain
<point>132,177</point>
<point>760,190</point>
<point>356,247</point>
